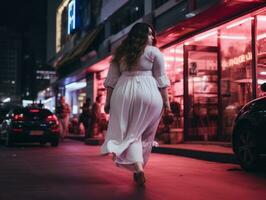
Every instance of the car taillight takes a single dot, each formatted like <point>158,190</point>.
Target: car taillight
<point>18,117</point>
<point>52,119</point>
<point>34,110</point>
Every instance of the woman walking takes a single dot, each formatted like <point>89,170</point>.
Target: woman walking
<point>136,95</point>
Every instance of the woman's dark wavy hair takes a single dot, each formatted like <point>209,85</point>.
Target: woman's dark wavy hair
<point>133,45</point>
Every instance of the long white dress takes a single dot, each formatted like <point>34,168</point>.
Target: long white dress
<point>135,108</point>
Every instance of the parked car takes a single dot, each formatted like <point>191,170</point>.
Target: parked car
<point>249,133</point>
<point>30,124</point>
<point>5,108</point>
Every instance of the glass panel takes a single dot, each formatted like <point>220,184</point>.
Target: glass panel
<point>261,44</point>
<point>173,132</point>
<point>203,95</point>
<point>236,80</point>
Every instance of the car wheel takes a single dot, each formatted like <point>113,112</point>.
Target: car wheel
<point>246,150</point>
<point>9,140</point>
<point>42,143</point>
<point>55,143</point>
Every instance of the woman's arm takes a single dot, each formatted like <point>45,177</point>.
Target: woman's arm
<point>108,99</point>
<point>163,82</point>
<point>164,93</point>
<point>109,83</point>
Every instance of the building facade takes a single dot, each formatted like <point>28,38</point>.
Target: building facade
<point>214,54</point>
<point>10,66</point>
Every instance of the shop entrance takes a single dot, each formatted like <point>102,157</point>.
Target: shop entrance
<point>201,92</point>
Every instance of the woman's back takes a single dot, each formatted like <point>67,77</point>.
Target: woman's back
<point>146,60</point>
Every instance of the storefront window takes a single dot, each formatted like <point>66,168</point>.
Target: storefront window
<point>220,57</point>
<point>261,52</point>
<point>75,95</point>
<point>174,68</point>
<point>236,54</point>
<point>201,56</point>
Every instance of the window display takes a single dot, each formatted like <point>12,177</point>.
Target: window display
<point>261,52</point>
<point>236,80</point>
<point>171,127</point>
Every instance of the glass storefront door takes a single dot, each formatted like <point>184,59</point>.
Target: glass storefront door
<point>201,92</point>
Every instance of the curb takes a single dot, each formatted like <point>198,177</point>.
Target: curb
<point>202,155</point>
<point>197,154</point>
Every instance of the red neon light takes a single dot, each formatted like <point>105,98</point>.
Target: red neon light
<point>261,17</point>
<point>259,37</point>
<point>239,22</point>
<point>205,36</point>
<point>233,37</point>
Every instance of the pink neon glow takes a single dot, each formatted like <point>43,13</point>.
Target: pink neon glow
<point>178,51</point>
<point>102,65</point>
<point>233,37</point>
<point>262,73</point>
<point>261,81</point>
<point>239,22</point>
<point>205,36</point>
<point>261,17</point>
<point>172,58</point>
<point>259,37</point>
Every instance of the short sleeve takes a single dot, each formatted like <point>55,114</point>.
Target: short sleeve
<point>158,70</point>
<point>112,76</point>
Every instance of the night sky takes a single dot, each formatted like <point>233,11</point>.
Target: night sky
<point>27,19</point>
<point>22,15</point>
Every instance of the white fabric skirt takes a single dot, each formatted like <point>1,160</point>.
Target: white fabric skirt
<point>135,111</point>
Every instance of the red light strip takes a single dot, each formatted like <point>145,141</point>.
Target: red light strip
<point>259,37</point>
<point>233,37</point>
<point>205,36</point>
<point>239,22</point>
<point>261,17</point>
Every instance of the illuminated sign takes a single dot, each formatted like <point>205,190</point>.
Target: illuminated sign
<point>71,22</point>
<point>238,60</point>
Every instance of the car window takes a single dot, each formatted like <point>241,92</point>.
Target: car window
<point>33,113</point>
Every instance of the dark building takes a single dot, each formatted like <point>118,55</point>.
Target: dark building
<point>27,21</point>
<point>10,65</point>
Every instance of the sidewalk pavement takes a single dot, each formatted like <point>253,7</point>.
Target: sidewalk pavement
<point>209,151</point>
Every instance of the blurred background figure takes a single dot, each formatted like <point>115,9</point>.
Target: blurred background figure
<point>85,117</point>
<point>63,113</point>
<point>95,116</point>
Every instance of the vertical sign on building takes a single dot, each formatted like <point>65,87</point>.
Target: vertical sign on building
<point>71,22</point>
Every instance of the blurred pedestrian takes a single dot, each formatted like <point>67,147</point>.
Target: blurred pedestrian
<point>63,112</point>
<point>136,95</point>
<point>85,117</point>
<point>95,116</point>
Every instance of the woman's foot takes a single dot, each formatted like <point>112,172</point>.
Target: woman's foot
<point>139,178</point>
<point>113,156</point>
<point>135,176</point>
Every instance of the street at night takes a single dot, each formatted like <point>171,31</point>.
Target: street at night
<point>133,76</point>
<point>77,171</point>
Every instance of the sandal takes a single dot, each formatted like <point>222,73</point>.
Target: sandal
<point>139,178</point>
